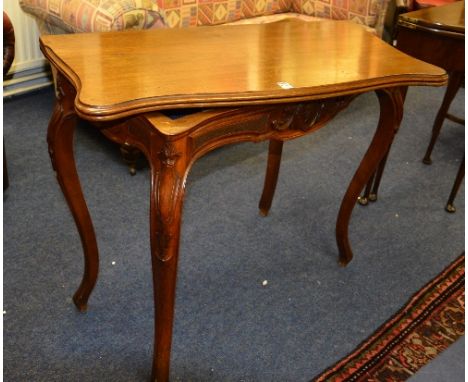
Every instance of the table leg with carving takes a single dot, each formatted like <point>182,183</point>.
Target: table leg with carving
<point>168,174</point>
<point>391,112</point>
<point>169,160</point>
<point>60,141</point>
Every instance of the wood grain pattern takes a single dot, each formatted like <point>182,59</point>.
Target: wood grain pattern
<point>127,73</point>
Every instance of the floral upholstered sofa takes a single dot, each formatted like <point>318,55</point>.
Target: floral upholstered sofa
<point>70,16</point>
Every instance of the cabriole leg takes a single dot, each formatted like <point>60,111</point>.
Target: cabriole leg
<point>60,141</point>
<point>168,171</point>
<point>391,112</point>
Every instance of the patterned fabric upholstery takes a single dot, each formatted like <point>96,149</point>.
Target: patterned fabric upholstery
<point>56,16</point>
<point>96,15</point>
<point>363,12</point>
<point>184,13</point>
<point>285,16</point>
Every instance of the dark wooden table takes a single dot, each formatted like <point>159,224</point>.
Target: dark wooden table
<point>271,82</point>
<point>437,35</point>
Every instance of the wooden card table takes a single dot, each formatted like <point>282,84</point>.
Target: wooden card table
<point>271,82</point>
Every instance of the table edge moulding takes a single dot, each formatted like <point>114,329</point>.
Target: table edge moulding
<point>93,104</point>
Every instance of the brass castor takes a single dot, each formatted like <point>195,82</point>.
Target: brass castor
<point>363,201</point>
<point>130,156</point>
<point>450,208</point>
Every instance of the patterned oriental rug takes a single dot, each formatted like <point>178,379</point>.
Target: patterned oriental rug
<point>431,321</point>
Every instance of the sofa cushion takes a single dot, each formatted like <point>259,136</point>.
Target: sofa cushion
<point>364,12</point>
<point>96,15</point>
<point>185,13</point>
<point>286,16</point>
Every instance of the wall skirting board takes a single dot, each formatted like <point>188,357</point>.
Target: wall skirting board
<point>30,70</point>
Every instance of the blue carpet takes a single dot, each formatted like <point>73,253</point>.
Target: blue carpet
<point>228,326</point>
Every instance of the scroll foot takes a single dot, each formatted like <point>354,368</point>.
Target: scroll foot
<point>80,303</point>
<point>263,212</point>
<point>343,262</point>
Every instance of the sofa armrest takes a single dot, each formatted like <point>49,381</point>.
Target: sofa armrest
<point>370,13</point>
<point>91,16</point>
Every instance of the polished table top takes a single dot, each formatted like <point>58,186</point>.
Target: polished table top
<point>449,18</point>
<point>127,73</point>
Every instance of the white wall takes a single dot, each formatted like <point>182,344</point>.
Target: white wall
<point>29,70</point>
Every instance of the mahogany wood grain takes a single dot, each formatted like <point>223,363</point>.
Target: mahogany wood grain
<point>122,81</point>
<point>127,73</point>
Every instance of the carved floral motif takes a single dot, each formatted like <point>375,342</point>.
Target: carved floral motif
<point>303,116</point>
<point>168,155</point>
<point>167,187</point>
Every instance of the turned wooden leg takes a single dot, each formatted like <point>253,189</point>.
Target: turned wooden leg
<point>168,167</point>
<point>454,83</point>
<point>378,178</point>
<point>372,187</point>
<point>271,177</point>
<point>391,111</point>
<point>456,185</point>
<point>130,156</point>
<point>363,200</point>
<point>60,141</point>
